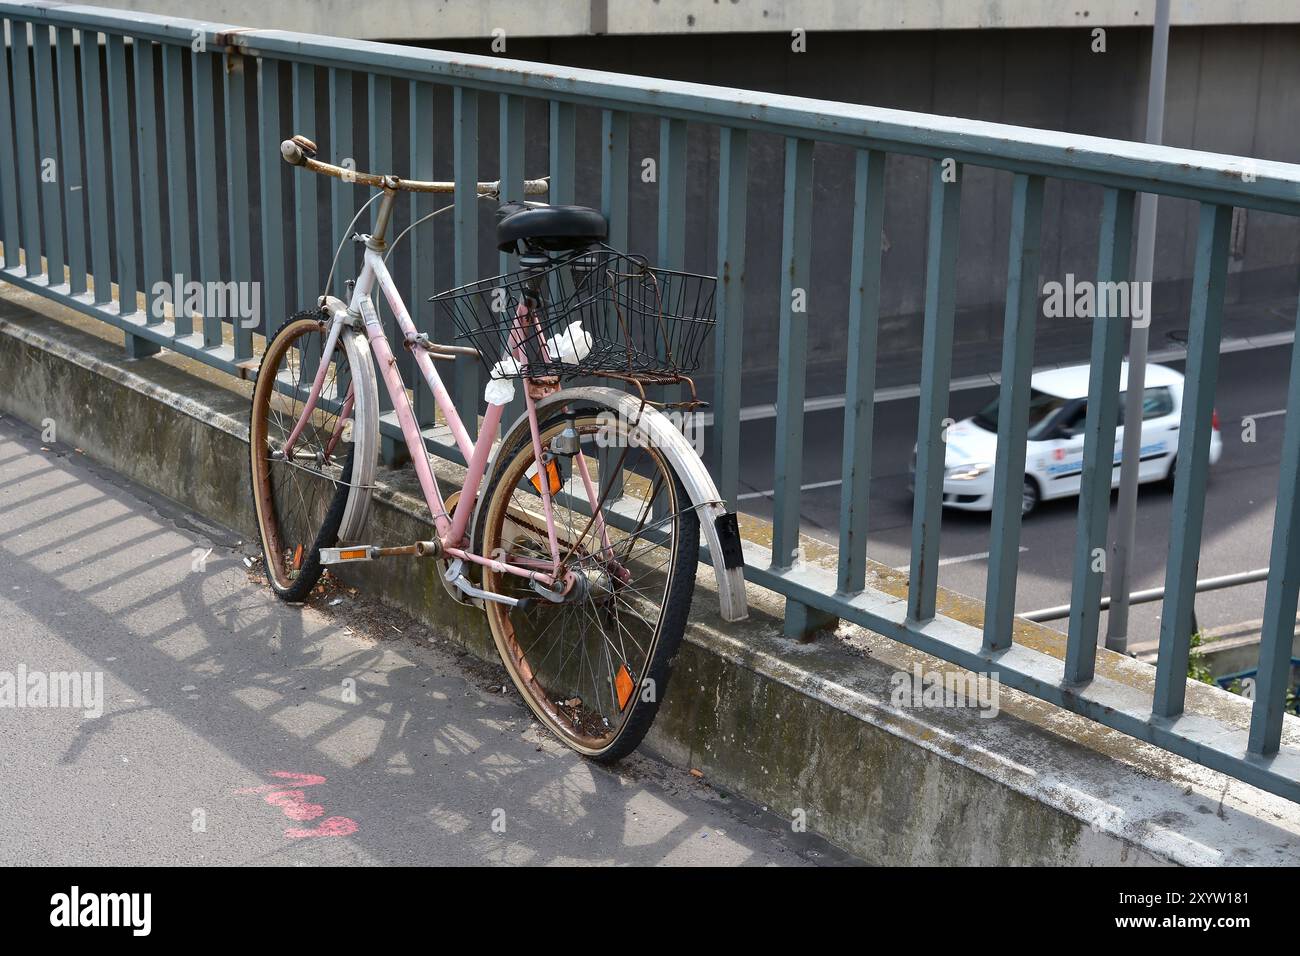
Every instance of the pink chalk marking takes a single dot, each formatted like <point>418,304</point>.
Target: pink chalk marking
<point>301,779</point>
<point>333,827</point>
<point>293,804</point>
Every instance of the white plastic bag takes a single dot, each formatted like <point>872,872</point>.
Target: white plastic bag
<point>570,346</point>
<point>500,390</point>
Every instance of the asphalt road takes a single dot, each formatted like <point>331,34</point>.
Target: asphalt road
<point>1238,510</point>
<point>225,737</point>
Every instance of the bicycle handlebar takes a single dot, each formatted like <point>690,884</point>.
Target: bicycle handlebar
<point>300,151</point>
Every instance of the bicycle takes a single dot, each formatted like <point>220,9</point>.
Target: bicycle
<point>578,532</point>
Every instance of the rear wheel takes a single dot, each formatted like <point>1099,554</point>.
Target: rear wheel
<point>593,666</point>
<point>1168,480</point>
<point>301,501</point>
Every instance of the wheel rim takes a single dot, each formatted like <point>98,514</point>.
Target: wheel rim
<point>582,665</point>
<point>293,497</point>
<point>1028,498</point>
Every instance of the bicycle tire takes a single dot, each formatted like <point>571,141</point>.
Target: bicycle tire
<point>310,536</point>
<point>678,592</point>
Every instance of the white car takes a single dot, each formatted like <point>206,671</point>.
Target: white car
<point>1054,455</point>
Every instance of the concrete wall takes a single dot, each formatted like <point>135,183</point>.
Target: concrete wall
<point>472,18</point>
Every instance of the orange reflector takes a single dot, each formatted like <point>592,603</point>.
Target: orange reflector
<point>353,554</point>
<point>623,684</point>
<point>297,558</point>
<point>552,473</point>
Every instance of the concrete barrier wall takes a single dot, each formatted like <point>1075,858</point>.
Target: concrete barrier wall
<point>826,734</point>
<point>465,18</point>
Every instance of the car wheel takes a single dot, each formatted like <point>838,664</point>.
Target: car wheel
<point>1029,497</point>
<point>1168,481</point>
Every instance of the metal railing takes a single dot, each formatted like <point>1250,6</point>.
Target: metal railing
<point>95,108</point>
<point>1217,583</point>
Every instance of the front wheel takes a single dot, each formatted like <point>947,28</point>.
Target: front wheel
<point>320,491</point>
<point>593,664</point>
<point>1029,496</point>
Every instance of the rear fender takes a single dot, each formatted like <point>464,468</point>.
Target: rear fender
<point>718,525</point>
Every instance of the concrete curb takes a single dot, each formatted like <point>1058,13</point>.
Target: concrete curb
<point>821,732</point>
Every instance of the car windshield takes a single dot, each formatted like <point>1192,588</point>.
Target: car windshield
<point>1042,409</point>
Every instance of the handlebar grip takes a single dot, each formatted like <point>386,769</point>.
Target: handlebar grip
<point>292,153</point>
<point>297,150</point>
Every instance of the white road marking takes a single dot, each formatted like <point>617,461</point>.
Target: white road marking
<point>1280,411</point>
<point>772,491</point>
<point>824,403</point>
<point>959,559</point>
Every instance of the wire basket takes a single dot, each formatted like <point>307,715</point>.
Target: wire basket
<point>597,312</point>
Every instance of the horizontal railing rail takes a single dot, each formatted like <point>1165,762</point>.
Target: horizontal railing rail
<point>135,150</point>
<point>1216,583</point>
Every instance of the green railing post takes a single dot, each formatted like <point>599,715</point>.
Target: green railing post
<point>801,619</point>
<point>179,200</point>
<point>48,143</point>
<point>614,135</point>
<point>8,168</point>
<point>469,382</point>
<point>860,374</point>
<point>1099,438</point>
<point>1192,463</point>
<point>206,187</point>
<point>936,373</point>
<point>344,197</point>
<point>1013,409</point>
<point>728,339</point>
<point>150,185</point>
<point>70,178</point>
<point>272,192</point>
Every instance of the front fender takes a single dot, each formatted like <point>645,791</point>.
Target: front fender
<point>365,420</point>
<point>719,526</point>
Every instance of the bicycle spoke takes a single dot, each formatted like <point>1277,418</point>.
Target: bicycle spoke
<point>585,657</point>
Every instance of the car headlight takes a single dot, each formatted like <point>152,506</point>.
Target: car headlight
<point>967,472</point>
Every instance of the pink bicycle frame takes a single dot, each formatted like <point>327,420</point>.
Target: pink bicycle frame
<point>451,528</point>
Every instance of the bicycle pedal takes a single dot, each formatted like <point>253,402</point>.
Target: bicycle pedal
<point>369,552</point>
<point>360,552</point>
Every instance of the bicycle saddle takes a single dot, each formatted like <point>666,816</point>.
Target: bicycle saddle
<point>550,228</point>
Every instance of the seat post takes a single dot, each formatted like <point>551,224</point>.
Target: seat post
<point>535,264</point>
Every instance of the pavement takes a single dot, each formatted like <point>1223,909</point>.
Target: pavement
<point>236,729</point>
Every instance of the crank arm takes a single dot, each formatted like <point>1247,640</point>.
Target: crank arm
<point>455,576</point>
